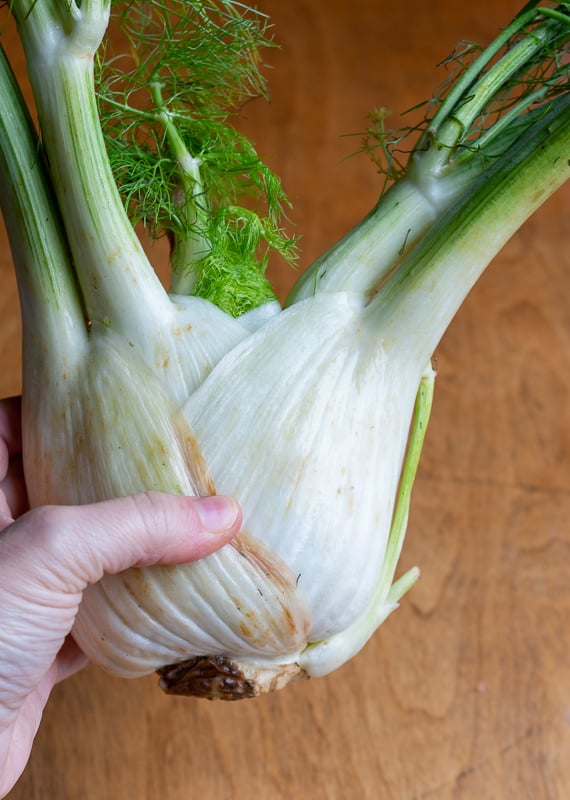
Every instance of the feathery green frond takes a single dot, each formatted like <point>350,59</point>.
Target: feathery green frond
<point>167,101</point>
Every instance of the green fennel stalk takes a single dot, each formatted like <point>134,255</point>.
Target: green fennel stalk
<point>492,97</point>
<point>54,318</point>
<point>118,284</point>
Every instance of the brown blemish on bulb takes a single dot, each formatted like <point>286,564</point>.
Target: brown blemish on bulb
<point>262,559</point>
<point>280,576</point>
<point>182,331</point>
<point>194,459</point>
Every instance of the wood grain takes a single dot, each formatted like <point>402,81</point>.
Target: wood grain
<point>464,693</point>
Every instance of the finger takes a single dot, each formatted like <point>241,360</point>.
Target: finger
<point>70,660</point>
<point>10,432</point>
<point>70,547</point>
<point>6,517</point>
<point>13,493</point>
<point>10,424</point>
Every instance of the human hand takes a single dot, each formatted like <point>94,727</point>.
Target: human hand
<point>50,555</point>
<point>13,495</point>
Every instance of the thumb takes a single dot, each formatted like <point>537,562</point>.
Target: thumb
<point>69,547</point>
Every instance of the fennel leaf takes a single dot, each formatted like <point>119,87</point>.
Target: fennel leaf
<point>166,99</point>
<point>489,98</point>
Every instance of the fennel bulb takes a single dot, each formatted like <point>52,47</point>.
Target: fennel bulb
<point>314,416</point>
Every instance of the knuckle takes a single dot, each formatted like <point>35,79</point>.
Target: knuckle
<point>155,522</point>
<point>49,519</point>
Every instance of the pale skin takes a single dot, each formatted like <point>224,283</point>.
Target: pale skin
<point>49,555</point>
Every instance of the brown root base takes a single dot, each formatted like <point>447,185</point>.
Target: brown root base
<point>212,677</point>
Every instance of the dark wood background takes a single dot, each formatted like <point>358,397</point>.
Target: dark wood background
<point>465,691</point>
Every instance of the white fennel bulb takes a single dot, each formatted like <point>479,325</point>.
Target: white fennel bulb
<point>319,401</point>
<point>307,421</point>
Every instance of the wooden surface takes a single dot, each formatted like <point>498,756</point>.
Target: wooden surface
<point>465,691</point>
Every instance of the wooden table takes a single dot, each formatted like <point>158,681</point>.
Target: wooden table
<point>465,691</point>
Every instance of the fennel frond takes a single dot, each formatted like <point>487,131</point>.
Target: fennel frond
<point>166,103</point>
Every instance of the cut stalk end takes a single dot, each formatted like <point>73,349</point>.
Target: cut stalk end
<point>222,678</point>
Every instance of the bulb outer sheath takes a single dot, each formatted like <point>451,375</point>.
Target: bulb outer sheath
<point>320,658</point>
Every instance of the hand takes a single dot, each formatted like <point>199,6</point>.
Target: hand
<point>50,555</point>
<point>13,495</point>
